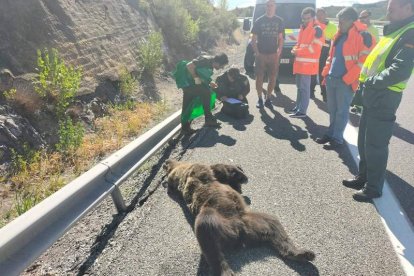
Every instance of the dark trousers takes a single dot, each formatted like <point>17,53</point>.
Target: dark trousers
<point>322,62</point>
<point>375,131</point>
<point>192,92</point>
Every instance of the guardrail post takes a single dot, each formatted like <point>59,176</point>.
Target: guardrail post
<point>118,200</point>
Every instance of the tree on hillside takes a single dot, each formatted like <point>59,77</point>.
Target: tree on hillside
<point>223,4</point>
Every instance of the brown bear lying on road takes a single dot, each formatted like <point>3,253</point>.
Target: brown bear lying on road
<point>223,220</point>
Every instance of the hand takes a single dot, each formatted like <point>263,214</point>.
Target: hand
<point>197,81</point>
<point>213,85</point>
<point>293,51</point>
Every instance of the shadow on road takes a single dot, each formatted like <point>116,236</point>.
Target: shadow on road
<point>109,230</point>
<point>404,191</point>
<point>238,259</point>
<point>280,128</point>
<point>237,124</point>
<point>209,137</point>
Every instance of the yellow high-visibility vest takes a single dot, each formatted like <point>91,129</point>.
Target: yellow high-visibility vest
<point>330,30</point>
<point>375,62</point>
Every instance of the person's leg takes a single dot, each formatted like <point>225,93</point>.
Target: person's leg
<point>379,130</point>
<point>314,81</point>
<point>272,66</point>
<point>205,96</point>
<point>322,63</point>
<point>305,91</point>
<point>297,104</point>
<point>260,68</point>
<point>188,96</point>
<point>362,168</point>
<point>344,95</point>
<point>331,104</point>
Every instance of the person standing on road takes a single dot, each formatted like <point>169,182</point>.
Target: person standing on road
<point>383,78</point>
<point>329,31</point>
<point>364,17</point>
<point>350,48</point>
<point>307,52</point>
<point>267,43</point>
<point>194,78</point>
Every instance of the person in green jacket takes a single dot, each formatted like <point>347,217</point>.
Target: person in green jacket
<point>194,78</point>
<point>384,76</point>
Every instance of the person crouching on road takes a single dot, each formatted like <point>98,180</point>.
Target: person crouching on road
<point>267,44</point>
<point>307,52</point>
<point>232,84</point>
<point>350,48</point>
<point>384,77</point>
<point>232,89</point>
<point>200,86</point>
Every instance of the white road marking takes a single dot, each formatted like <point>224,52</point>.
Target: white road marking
<point>395,221</point>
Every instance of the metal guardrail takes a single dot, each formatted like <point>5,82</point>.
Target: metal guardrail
<point>29,235</point>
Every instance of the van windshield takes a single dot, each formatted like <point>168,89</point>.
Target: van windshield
<point>289,12</point>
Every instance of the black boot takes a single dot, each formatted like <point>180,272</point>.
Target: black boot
<point>186,129</point>
<point>357,183</point>
<point>212,122</point>
<point>365,195</point>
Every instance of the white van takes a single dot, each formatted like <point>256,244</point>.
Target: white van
<point>290,11</point>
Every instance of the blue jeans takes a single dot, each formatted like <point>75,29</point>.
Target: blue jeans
<point>302,99</point>
<point>339,96</point>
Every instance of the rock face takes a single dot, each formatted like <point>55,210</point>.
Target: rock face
<point>101,36</point>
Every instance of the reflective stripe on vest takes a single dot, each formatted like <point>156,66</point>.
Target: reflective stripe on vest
<point>375,62</point>
<point>307,59</point>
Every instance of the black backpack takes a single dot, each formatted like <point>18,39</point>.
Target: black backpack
<point>238,110</point>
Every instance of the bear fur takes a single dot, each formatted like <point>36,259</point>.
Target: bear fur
<point>222,218</point>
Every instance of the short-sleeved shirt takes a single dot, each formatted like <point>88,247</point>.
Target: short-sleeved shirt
<point>203,61</point>
<point>267,30</point>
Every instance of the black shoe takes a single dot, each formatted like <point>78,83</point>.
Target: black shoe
<point>188,131</point>
<point>356,183</point>
<point>277,89</point>
<point>212,123</point>
<point>298,115</point>
<point>332,145</point>
<point>259,103</point>
<point>292,111</point>
<point>364,195</point>
<point>325,139</point>
<point>268,104</point>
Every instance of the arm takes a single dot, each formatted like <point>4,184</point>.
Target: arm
<point>254,44</point>
<point>315,45</point>
<point>192,69</point>
<point>366,46</point>
<point>400,69</point>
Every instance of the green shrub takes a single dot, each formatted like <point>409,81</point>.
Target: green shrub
<point>57,82</point>
<point>21,162</point>
<point>24,201</point>
<point>10,94</point>
<point>176,22</point>
<point>127,83</point>
<point>70,136</point>
<point>143,5</point>
<point>150,53</point>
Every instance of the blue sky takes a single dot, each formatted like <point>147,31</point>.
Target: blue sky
<point>319,3</point>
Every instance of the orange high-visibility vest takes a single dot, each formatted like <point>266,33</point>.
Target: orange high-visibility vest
<point>355,52</point>
<point>308,50</point>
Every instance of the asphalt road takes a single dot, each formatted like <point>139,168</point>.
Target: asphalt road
<point>290,176</point>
